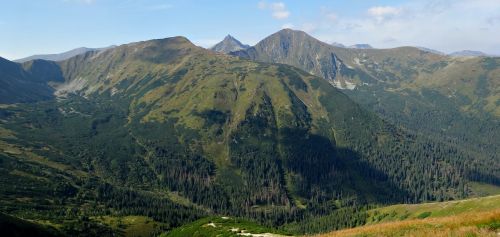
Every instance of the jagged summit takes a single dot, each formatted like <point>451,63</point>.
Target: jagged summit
<point>229,44</point>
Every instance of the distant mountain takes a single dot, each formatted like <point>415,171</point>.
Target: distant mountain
<point>468,53</point>
<point>61,56</point>
<point>229,44</point>
<point>361,46</point>
<point>28,82</point>
<point>338,45</point>
<point>431,50</point>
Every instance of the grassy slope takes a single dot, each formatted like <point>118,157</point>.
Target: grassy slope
<point>11,226</point>
<point>126,226</point>
<point>131,225</point>
<point>471,217</point>
<point>483,190</point>
<point>222,226</point>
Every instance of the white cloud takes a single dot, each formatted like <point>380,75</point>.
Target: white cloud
<point>446,25</point>
<point>281,14</point>
<point>278,9</point>
<point>380,13</point>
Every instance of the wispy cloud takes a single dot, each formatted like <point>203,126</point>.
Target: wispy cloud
<point>278,9</point>
<point>381,13</point>
<point>447,25</point>
<point>327,15</point>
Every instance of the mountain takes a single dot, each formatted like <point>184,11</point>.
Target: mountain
<point>229,44</point>
<point>61,56</point>
<point>431,50</point>
<point>338,45</point>
<point>407,86</point>
<point>468,53</point>
<point>361,46</point>
<point>27,82</point>
<point>166,130</point>
<point>298,49</point>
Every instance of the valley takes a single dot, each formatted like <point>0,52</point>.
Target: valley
<point>288,137</point>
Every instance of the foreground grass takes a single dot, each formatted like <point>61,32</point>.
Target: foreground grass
<point>468,224</point>
<point>472,217</point>
<point>435,209</point>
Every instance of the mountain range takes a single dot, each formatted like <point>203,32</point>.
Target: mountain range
<point>287,132</point>
<point>404,85</point>
<point>468,53</point>
<point>61,56</point>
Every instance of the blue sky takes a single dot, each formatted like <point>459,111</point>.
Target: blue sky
<point>51,26</point>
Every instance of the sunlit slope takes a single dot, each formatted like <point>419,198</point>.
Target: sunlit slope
<point>472,217</point>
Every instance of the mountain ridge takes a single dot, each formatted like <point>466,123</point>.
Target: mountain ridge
<point>61,56</point>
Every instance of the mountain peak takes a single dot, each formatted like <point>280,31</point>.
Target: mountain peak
<point>229,37</point>
<point>337,44</point>
<point>288,31</point>
<point>429,50</point>
<point>168,40</point>
<point>229,44</point>
<point>290,36</point>
<point>468,53</point>
<point>361,46</point>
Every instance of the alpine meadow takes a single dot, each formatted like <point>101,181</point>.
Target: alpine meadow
<point>293,134</point>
